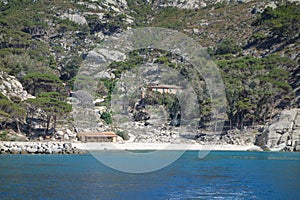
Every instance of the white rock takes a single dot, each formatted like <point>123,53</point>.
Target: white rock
<point>69,132</point>
<point>279,147</point>
<point>66,137</point>
<point>255,148</point>
<point>119,139</point>
<point>48,151</point>
<point>10,86</point>
<point>31,150</point>
<point>75,18</point>
<point>60,133</point>
<point>56,150</point>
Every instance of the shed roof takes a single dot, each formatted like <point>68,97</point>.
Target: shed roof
<point>98,134</point>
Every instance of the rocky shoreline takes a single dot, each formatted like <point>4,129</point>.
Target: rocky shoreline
<point>39,148</point>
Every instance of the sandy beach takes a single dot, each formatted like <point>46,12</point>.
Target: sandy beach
<point>162,146</point>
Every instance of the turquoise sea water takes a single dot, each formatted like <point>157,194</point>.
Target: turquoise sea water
<point>220,175</point>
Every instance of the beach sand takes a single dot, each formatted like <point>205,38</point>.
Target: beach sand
<point>162,146</point>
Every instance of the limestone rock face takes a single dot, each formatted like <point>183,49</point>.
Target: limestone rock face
<point>11,87</point>
<point>283,133</point>
<point>75,18</point>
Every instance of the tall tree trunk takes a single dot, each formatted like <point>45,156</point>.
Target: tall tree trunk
<point>54,123</point>
<point>48,124</point>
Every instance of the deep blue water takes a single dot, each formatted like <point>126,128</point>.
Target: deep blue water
<point>220,175</point>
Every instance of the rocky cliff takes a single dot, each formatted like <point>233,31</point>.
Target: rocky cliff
<point>283,132</point>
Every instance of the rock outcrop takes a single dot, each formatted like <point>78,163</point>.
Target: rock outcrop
<point>11,87</point>
<point>194,4</point>
<point>283,133</point>
<point>233,137</point>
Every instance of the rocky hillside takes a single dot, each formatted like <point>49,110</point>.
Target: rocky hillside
<point>43,44</point>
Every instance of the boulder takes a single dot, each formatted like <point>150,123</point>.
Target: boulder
<point>66,137</point>
<point>48,151</point>
<point>255,148</point>
<point>279,147</point>
<point>31,150</point>
<point>105,75</point>
<point>56,151</point>
<point>70,133</point>
<point>60,133</point>
<point>67,146</point>
<point>16,149</point>
<point>119,139</point>
<point>297,148</point>
<point>79,19</point>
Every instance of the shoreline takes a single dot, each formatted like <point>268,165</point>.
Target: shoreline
<point>53,147</point>
<point>162,146</point>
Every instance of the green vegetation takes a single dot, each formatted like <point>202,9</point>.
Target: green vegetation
<point>30,43</point>
<point>53,106</point>
<point>170,101</point>
<point>173,15</point>
<point>281,24</point>
<point>112,24</point>
<point>123,135</point>
<point>254,88</point>
<point>36,83</point>
<point>106,116</point>
<point>228,46</point>
<point>283,21</point>
<point>3,136</point>
<point>11,112</point>
<point>141,10</point>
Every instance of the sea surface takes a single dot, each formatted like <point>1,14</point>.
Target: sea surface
<point>220,175</point>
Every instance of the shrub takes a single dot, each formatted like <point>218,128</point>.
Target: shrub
<point>228,46</point>
<point>106,116</point>
<point>3,136</point>
<point>123,135</point>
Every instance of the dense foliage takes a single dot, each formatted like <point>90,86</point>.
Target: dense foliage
<point>106,116</point>
<point>280,25</point>
<point>11,112</point>
<point>255,87</point>
<point>52,105</point>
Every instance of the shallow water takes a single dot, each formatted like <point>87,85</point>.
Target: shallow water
<point>220,175</point>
